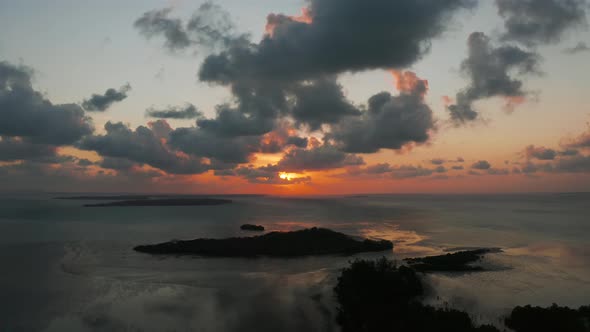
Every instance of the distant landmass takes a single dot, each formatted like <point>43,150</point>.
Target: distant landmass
<point>451,262</point>
<point>250,227</point>
<point>313,241</point>
<point>164,202</point>
<point>105,198</point>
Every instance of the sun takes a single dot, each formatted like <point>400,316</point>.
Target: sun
<point>286,176</point>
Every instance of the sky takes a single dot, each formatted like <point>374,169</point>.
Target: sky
<point>295,97</point>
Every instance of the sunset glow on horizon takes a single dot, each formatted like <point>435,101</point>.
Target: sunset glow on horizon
<point>294,99</point>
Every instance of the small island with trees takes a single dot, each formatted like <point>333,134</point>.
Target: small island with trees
<point>312,241</point>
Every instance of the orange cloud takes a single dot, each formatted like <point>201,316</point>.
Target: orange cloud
<point>408,82</point>
<point>274,20</point>
<point>447,101</point>
<point>512,102</point>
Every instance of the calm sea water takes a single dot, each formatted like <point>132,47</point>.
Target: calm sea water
<point>69,268</point>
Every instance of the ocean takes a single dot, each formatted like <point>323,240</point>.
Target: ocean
<point>70,268</point>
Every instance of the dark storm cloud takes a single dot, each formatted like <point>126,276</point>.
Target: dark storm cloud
<point>580,47</point>
<point>253,111</point>
<point>141,146</point>
<point>118,164</point>
<point>540,153</point>
<point>389,123</point>
<point>300,142</point>
<point>209,26</point>
<point>12,149</point>
<point>482,164</point>
<point>84,162</point>
<point>198,142</point>
<point>188,111</point>
<point>28,114</point>
<point>490,70</point>
<point>101,102</point>
<point>337,36</point>
<point>318,158</point>
<point>160,128</point>
<point>540,21</point>
<point>321,102</point>
<point>232,122</point>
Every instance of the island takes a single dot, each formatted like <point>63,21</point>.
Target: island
<point>312,241</point>
<point>104,198</point>
<point>451,262</point>
<point>163,202</point>
<point>250,227</point>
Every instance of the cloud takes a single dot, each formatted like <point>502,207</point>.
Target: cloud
<point>408,82</point>
<point>318,158</point>
<point>498,171</point>
<point>84,162</point>
<point>576,164</point>
<point>269,174</point>
<point>337,36</point>
<point>321,102</point>
<point>291,74</point>
<point>26,113</point>
<point>408,171</point>
<point>156,22</point>
<point>188,111</point>
<point>390,122</point>
<point>12,149</point>
<point>378,169</point>
<point>100,103</point>
<point>141,146</point>
<point>568,152</point>
<point>210,26</point>
<point>581,142</point>
<point>540,153</point>
<point>437,161</point>
<point>440,169</point>
<point>232,122</point>
<point>283,136</point>
<point>482,165</point>
<point>531,22</point>
<point>457,167</point>
<point>397,172</point>
<point>580,47</point>
<point>224,149</point>
<point>489,69</point>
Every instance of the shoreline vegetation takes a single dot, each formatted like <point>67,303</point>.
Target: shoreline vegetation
<point>382,296</point>
<point>307,242</point>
